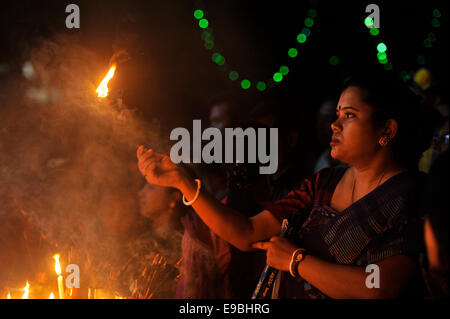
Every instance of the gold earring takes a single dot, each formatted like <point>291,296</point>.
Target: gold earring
<point>383,141</point>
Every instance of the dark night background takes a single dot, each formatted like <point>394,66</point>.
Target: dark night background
<point>56,158</point>
<point>172,72</point>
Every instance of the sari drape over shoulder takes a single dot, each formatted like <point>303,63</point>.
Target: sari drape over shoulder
<point>384,223</point>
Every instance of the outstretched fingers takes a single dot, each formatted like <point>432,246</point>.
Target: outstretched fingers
<point>264,245</point>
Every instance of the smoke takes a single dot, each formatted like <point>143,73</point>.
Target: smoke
<point>68,175</point>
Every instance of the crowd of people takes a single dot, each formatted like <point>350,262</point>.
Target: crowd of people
<point>371,196</point>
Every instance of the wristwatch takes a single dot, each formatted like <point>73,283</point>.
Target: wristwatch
<point>296,259</point>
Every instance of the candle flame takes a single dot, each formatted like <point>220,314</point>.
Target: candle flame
<point>27,291</point>
<point>102,89</point>
<point>52,296</point>
<point>8,296</point>
<point>57,264</point>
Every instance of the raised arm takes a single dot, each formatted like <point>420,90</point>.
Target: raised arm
<point>227,223</point>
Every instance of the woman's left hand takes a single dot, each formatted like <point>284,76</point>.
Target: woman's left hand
<point>279,252</point>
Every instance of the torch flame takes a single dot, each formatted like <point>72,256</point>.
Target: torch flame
<point>27,289</point>
<point>102,89</point>
<point>52,296</point>
<point>57,265</point>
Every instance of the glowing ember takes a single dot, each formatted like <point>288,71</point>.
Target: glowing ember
<point>27,291</point>
<point>102,89</point>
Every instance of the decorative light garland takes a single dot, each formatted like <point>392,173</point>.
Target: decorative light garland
<point>245,83</point>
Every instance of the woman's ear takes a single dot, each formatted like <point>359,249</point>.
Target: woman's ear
<point>390,129</point>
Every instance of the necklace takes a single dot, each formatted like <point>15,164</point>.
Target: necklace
<point>354,184</point>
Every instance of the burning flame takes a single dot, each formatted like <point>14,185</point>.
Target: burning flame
<point>8,296</point>
<point>27,290</point>
<point>52,296</point>
<point>57,264</point>
<point>102,89</point>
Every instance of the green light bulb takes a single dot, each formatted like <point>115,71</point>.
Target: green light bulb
<point>261,86</point>
<point>381,55</point>
<point>233,75</point>
<point>334,60</point>
<point>436,13</point>
<point>209,45</point>
<point>381,47</point>
<point>374,31</point>
<point>435,23</point>
<point>284,70</point>
<point>198,14</point>
<point>293,52</point>
<point>245,84</point>
<point>309,22</point>
<point>368,22</point>
<point>278,77</point>
<point>203,23</point>
<point>312,13</point>
<point>301,38</point>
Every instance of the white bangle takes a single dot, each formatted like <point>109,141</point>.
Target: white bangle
<point>199,185</point>
<point>295,261</point>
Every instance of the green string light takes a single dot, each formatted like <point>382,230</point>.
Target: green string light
<point>233,75</point>
<point>306,31</point>
<point>278,77</point>
<point>198,14</point>
<point>203,23</point>
<point>219,59</point>
<point>435,23</point>
<point>284,70</point>
<point>368,22</point>
<point>245,84</point>
<point>374,31</point>
<point>261,86</point>
<point>437,13</point>
<point>381,47</point>
<point>312,13</point>
<point>301,38</point>
<point>309,22</point>
<point>293,52</point>
<point>334,60</point>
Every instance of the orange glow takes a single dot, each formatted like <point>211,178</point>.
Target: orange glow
<point>52,296</point>
<point>102,89</point>
<point>8,296</point>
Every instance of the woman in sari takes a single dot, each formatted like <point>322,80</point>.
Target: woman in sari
<point>345,218</point>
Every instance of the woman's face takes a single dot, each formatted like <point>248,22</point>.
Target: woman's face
<point>354,139</point>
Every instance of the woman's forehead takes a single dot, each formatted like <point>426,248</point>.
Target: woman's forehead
<point>352,96</point>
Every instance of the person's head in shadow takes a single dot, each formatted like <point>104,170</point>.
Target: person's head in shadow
<point>161,206</point>
<point>436,208</point>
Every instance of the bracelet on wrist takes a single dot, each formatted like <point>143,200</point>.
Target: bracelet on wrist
<point>297,256</point>
<point>199,185</point>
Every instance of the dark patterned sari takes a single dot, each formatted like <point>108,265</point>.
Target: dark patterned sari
<point>384,223</point>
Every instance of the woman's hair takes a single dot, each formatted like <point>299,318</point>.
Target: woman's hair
<point>390,99</point>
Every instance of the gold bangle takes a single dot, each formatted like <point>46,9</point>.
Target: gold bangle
<point>199,185</point>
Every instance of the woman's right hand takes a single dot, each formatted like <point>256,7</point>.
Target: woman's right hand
<point>158,169</point>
